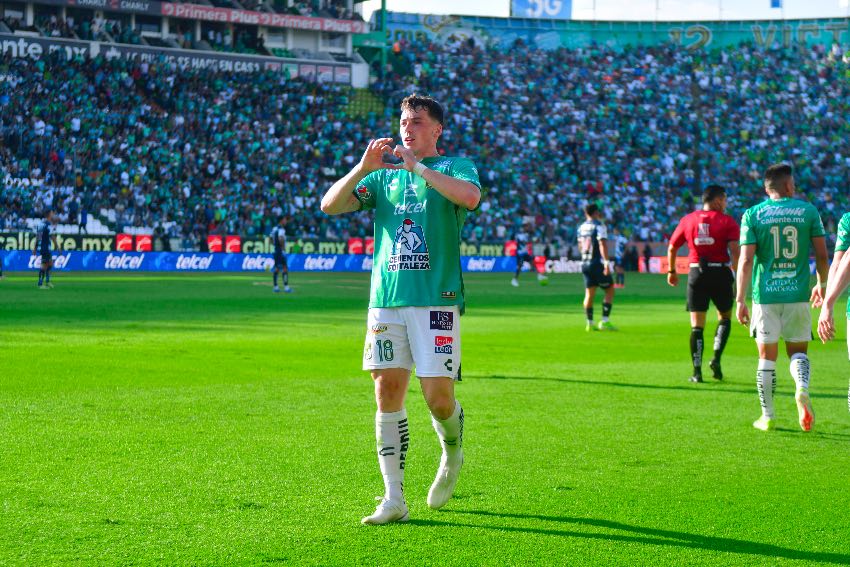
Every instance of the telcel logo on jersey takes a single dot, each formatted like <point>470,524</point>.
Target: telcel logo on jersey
<point>59,261</point>
<point>320,263</point>
<point>410,252</point>
<point>123,262</point>
<point>443,345</point>
<point>193,262</point>
<point>257,263</point>
<point>412,208</point>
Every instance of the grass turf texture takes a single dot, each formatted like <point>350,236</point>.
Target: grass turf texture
<point>205,420</point>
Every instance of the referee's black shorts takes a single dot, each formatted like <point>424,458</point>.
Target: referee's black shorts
<point>712,284</point>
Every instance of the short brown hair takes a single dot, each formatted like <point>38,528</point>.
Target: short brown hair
<point>414,102</point>
<point>776,175</point>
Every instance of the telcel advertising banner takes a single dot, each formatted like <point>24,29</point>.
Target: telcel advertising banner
<point>97,261</point>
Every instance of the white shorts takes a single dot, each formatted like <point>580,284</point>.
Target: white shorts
<point>401,337</point>
<point>791,322</point>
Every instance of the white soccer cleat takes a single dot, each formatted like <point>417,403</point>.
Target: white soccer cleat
<point>387,512</point>
<point>287,289</point>
<point>764,423</point>
<point>514,282</point>
<point>444,485</point>
<point>804,408</point>
<point>276,289</point>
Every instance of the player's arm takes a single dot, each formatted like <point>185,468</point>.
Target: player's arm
<point>735,253</point>
<point>458,191</point>
<point>676,242</point>
<point>839,278</point>
<point>745,272</point>
<point>822,268</point>
<point>340,197</point>
<point>672,276</point>
<point>603,253</point>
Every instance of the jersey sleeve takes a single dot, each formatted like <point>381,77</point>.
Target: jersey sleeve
<point>678,238</point>
<point>748,229</point>
<point>601,232</point>
<point>817,224</point>
<point>465,170</point>
<point>368,188</point>
<point>734,230</point>
<point>842,244</point>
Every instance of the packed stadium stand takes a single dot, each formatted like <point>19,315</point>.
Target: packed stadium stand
<point>141,146</point>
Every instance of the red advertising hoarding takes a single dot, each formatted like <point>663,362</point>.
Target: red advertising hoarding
<point>144,243</point>
<point>215,243</point>
<point>233,244</point>
<point>124,243</point>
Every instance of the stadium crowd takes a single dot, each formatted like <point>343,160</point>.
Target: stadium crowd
<point>641,132</point>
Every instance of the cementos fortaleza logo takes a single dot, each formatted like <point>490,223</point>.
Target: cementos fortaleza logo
<point>194,261</point>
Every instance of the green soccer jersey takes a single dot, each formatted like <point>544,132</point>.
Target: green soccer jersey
<point>842,244</point>
<point>782,230</point>
<point>417,235</point>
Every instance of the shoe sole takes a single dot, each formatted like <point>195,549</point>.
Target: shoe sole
<point>807,414</point>
<point>405,518</point>
<point>768,427</point>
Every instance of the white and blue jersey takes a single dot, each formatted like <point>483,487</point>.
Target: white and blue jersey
<point>523,253</point>
<point>589,234</point>
<point>43,234</point>
<point>278,236</point>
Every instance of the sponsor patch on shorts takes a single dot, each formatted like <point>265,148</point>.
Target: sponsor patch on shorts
<point>443,345</point>
<point>442,320</point>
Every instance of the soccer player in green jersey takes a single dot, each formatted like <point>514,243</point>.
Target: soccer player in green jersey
<point>839,277</point>
<point>776,237</point>
<point>417,292</point>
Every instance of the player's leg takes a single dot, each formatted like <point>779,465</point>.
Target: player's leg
<point>697,343</point>
<point>589,296</point>
<point>274,278</point>
<point>797,332</point>
<point>387,356</point>
<point>435,345</point>
<point>765,327</point>
<point>286,287</point>
<point>721,337</point>
<point>723,296</point>
<point>697,302</point>
<point>41,267</point>
<point>519,262</point>
<point>47,273</point>
<point>607,285</point>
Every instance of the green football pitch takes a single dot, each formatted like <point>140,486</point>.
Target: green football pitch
<point>203,419</point>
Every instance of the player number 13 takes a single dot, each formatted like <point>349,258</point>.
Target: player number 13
<point>787,249</point>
